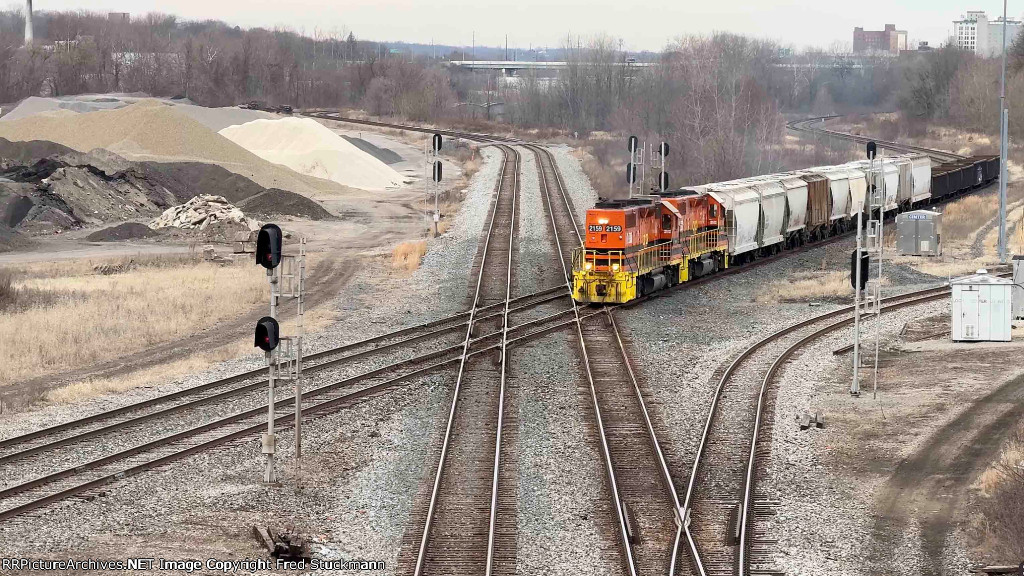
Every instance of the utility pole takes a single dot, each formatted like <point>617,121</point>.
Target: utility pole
<point>1004,127</point>
<point>29,36</point>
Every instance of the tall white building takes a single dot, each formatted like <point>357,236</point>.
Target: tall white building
<point>975,32</point>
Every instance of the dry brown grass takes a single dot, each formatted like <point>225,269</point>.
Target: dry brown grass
<point>999,527</point>
<point>408,255</point>
<point>86,317</point>
<point>946,267</point>
<point>77,391</point>
<point>8,291</point>
<point>806,286</point>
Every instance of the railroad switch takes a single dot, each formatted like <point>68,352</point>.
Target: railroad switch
<point>734,524</point>
<point>632,529</point>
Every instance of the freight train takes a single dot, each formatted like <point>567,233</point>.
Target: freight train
<point>636,246</point>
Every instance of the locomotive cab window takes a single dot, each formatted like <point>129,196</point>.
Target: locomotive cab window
<point>631,220</point>
<point>666,222</point>
<point>713,211</point>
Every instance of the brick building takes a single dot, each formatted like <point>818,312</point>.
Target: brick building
<point>889,40</point>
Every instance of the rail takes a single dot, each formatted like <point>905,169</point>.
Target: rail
<point>512,156</point>
<point>893,302</point>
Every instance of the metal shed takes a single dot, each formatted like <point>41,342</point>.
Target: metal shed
<point>981,308</point>
<point>1018,287</point>
<point>919,233</point>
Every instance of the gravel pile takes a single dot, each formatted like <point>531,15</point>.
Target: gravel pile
<point>203,211</point>
<point>215,119</point>
<point>126,231</point>
<point>156,131</point>
<point>308,147</point>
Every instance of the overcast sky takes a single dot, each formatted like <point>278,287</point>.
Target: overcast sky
<point>648,24</point>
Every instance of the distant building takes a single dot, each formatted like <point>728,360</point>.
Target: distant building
<point>975,32</point>
<point>889,40</point>
<point>119,17</point>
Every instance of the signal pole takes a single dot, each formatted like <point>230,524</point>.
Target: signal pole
<point>270,438</point>
<point>436,149</point>
<point>287,280</point>
<point>662,167</point>
<point>877,288</point>
<point>1004,126</point>
<point>855,386</point>
<point>633,145</point>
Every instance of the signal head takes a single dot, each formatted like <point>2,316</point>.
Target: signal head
<point>268,334</point>
<point>268,246</point>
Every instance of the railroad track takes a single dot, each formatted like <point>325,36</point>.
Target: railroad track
<point>808,126</point>
<point>20,495</point>
<point>641,489</point>
<point>122,419</point>
<point>469,522</point>
<point>472,136</point>
<point>724,517</point>
<point>85,478</point>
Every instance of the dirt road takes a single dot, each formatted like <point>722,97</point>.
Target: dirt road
<point>931,487</point>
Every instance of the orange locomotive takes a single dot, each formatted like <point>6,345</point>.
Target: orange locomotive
<point>637,246</point>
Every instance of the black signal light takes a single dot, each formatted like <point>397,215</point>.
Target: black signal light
<point>268,246</point>
<point>865,269</point>
<point>268,334</point>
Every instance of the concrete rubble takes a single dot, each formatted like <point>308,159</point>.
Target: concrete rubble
<point>202,211</point>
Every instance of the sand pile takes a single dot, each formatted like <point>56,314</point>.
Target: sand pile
<point>308,147</point>
<point>201,212</point>
<point>151,130</point>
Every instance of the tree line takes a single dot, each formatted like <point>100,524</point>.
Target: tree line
<point>719,98</point>
<point>212,64</point>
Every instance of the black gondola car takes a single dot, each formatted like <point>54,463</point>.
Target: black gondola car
<point>940,182</point>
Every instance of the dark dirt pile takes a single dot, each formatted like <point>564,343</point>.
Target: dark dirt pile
<point>382,154</point>
<point>26,153</point>
<point>276,202</point>
<point>67,189</point>
<point>11,240</point>
<point>126,231</point>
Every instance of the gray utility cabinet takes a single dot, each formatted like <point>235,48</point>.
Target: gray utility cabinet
<point>1018,287</point>
<point>919,233</point>
<point>981,308</point>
